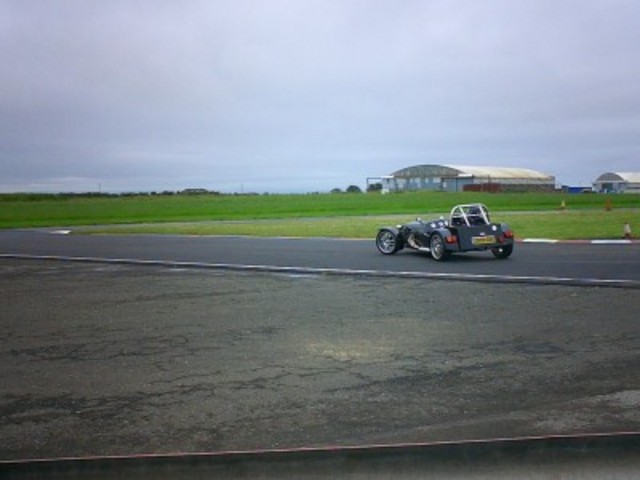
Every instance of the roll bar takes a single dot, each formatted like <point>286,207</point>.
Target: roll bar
<point>478,213</point>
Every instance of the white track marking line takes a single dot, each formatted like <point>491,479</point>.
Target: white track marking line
<point>490,278</point>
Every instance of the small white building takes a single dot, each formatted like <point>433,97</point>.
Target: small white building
<point>618,182</point>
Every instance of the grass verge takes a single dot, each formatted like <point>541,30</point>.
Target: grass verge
<point>20,211</point>
<point>562,225</point>
<point>318,215</point>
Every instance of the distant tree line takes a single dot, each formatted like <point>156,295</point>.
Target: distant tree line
<point>372,188</point>
<point>28,196</point>
<point>349,189</point>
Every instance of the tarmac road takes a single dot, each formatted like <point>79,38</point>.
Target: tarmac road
<point>547,261</point>
<point>120,359</point>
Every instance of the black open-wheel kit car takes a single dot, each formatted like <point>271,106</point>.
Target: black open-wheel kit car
<point>468,229</point>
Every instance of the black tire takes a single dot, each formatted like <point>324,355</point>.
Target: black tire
<point>438,248</point>
<point>388,241</point>
<point>502,252</point>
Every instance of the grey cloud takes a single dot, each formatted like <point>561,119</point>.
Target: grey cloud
<point>299,96</point>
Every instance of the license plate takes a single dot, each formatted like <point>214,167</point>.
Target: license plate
<point>486,240</point>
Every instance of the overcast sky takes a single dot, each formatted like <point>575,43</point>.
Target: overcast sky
<point>308,95</point>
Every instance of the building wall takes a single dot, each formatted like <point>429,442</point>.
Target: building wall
<point>461,184</point>
<point>616,187</point>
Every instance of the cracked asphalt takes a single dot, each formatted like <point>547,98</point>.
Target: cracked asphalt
<point>103,359</point>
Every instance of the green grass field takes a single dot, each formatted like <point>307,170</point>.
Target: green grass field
<point>337,215</point>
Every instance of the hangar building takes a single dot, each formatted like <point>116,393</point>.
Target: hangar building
<point>456,178</point>
<point>618,182</point>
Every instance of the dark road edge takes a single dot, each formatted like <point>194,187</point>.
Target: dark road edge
<point>600,454</point>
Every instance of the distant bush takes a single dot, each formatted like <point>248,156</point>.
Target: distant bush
<point>36,197</point>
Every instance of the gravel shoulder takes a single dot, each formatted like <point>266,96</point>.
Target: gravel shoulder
<point>117,359</point>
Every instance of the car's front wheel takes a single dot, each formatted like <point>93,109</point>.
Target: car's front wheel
<point>438,249</point>
<point>502,252</point>
<point>388,242</point>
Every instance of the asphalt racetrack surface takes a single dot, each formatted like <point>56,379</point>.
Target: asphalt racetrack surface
<point>532,263</point>
<point>102,358</point>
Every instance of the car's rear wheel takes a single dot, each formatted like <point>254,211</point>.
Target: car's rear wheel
<point>388,242</point>
<point>438,249</point>
<point>502,252</point>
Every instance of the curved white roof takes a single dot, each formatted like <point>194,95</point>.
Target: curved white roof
<point>505,173</point>
<point>501,172</point>
<point>629,177</point>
